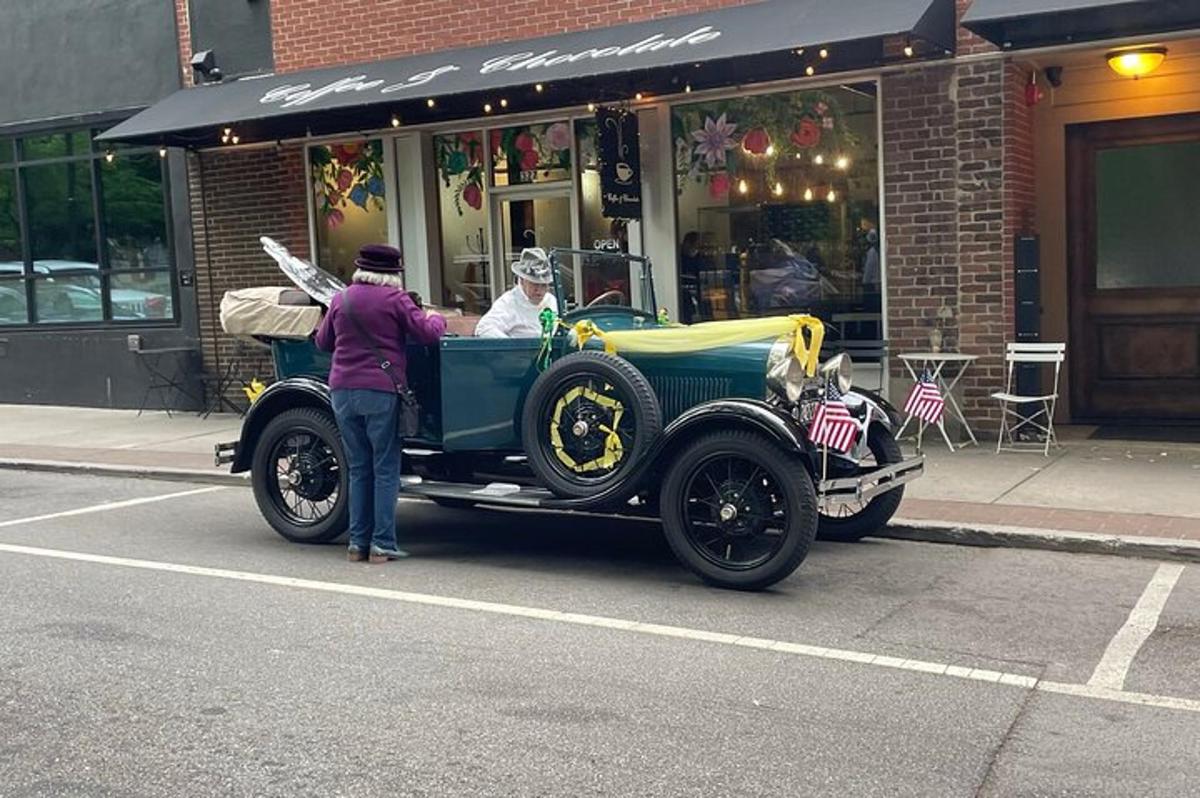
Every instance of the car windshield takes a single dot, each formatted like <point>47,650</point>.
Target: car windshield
<point>600,277</point>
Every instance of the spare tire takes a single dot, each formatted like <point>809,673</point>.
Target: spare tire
<point>588,421</point>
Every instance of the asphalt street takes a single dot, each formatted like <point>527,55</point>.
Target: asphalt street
<point>171,644</point>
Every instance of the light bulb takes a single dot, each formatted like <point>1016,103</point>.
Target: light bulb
<point>908,50</point>
<point>770,149</point>
<point>539,88</point>
<point>842,163</point>
<point>778,189</point>
<point>687,89</point>
<point>162,152</point>
<point>109,156</point>
<point>503,102</point>
<point>831,196</point>
<point>818,159</point>
<point>395,121</point>
<point>824,53</point>
<point>808,195</point>
<point>638,96</point>
<point>430,102</point>
<point>808,70</point>
<point>743,187</point>
<point>591,108</point>
<point>487,108</point>
<point>234,138</point>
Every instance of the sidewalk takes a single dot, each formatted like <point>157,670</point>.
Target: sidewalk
<point>1102,496</point>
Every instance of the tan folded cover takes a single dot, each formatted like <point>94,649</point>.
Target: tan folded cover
<point>256,311</point>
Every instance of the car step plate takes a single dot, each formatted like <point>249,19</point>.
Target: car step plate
<point>499,493</point>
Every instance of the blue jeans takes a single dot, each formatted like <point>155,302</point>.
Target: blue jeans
<point>367,421</point>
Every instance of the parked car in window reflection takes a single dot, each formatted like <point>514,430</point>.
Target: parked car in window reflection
<point>70,291</point>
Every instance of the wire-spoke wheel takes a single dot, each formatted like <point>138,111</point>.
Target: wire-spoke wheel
<point>852,521</point>
<point>299,476</point>
<point>738,510</point>
<point>587,422</point>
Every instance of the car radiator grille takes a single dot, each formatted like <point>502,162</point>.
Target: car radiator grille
<point>677,394</point>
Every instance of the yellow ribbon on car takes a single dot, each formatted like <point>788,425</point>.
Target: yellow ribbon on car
<point>614,450</point>
<point>807,333</point>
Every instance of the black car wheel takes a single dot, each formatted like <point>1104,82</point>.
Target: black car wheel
<point>300,477</point>
<point>850,522</point>
<point>738,510</point>
<point>588,420</point>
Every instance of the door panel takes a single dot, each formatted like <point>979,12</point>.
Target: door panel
<point>1134,249</point>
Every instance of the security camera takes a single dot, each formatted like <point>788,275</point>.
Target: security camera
<point>204,63</point>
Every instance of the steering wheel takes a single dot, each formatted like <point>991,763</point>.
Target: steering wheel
<point>607,298</point>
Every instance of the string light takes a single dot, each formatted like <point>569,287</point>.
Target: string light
<point>539,88</point>
<point>687,89</point>
<point>770,150</point>
<point>808,70</point>
<point>818,159</point>
<point>487,108</point>
<point>842,163</point>
<point>591,108</point>
<point>743,187</point>
<point>503,102</point>
<point>778,189</point>
<point>430,103</point>
<point>638,96</point>
<point>831,196</point>
<point>808,195</point>
<point>395,121</point>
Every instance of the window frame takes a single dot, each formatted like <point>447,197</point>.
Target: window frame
<point>94,159</point>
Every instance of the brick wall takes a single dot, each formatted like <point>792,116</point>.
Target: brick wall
<point>183,29</point>
<point>312,33</point>
<point>246,194</point>
<point>969,43</point>
<point>950,133</point>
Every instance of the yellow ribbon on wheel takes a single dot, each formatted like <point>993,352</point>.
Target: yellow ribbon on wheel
<point>614,450</point>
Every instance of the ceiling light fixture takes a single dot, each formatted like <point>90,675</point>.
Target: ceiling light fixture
<point>1135,62</point>
<point>430,103</point>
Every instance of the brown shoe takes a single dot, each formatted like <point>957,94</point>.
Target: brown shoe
<point>356,555</point>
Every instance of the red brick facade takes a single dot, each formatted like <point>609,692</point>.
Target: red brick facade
<point>313,33</point>
<point>247,194</point>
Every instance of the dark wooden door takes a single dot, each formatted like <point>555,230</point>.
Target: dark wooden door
<point>1134,249</point>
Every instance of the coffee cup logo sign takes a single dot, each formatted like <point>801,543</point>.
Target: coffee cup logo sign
<point>300,94</point>
<point>620,164</point>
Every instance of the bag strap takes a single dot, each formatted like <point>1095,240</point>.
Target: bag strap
<point>369,339</point>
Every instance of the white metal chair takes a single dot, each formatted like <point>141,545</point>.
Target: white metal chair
<point>1039,354</point>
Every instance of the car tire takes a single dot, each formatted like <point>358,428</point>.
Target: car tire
<point>548,407</point>
<point>878,511</point>
<point>785,487</point>
<point>318,460</point>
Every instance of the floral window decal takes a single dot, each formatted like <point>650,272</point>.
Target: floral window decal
<point>716,141</point>
<point>346,176</point>
<point>531,153</point>
<point>460,166</point>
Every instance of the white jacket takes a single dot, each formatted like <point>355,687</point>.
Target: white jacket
<point>512,315</point>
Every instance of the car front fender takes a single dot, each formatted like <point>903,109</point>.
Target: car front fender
<point>278,397</point>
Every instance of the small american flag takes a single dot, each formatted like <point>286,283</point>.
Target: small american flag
<point>833,426</point>
<point>925,400</point>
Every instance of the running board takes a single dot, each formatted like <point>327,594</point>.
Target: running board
<point>505,494</point>
<point>858,490</point>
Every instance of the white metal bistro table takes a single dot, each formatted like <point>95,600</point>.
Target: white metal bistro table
<point>935,363</point>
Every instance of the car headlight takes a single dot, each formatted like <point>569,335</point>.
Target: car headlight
<point>785,374</point>
<point>841,367</point>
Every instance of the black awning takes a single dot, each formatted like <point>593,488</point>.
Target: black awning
<point>1019,24</point>
<point>729,46</point>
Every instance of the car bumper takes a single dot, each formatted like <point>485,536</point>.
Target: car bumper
<point>861,489</point>
<point>225,453</point>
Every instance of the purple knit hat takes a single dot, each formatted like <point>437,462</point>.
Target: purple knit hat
<point>380,258</point>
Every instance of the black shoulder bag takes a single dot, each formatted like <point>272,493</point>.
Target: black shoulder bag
<point>408,411</point>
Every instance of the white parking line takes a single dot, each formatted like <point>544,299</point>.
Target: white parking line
<point>618,624</point>
<point>1114,665</point>
<point>99,508</point>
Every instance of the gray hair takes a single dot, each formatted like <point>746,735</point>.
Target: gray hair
<point>392,280</point>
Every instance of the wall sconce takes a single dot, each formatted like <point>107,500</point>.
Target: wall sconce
<point>1134,62</point>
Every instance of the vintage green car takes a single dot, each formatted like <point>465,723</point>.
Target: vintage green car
<point>612,411</point>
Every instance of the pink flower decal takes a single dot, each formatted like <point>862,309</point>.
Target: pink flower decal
<point>558,136</point>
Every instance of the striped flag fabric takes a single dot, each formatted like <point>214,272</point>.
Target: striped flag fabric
<point>925,400</point>
<point>833,426</point>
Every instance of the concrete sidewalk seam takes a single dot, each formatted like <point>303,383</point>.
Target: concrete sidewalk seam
<point>214,477</point>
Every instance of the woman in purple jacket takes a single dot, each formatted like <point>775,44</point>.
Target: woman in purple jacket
<point>364,396</point>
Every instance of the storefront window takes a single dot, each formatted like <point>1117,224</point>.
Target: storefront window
<point>531,154</point>
<point>349,202</point>
<point>6,150</point>
<point>778,204</point>
<point>464,221</point>
<point>75,196</point>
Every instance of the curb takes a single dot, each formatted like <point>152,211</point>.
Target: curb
<point>213,477</point>
<point>994,536</point>
<point>922,531</point>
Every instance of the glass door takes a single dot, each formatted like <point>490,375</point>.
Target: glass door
<point>530,218</point>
